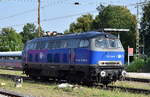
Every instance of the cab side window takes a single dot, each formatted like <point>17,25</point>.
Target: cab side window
<point>40,45</point>
<point>29,46</point>
<point>51,44</point>
<point>84,43</point>
<point>63,43</point>
<point>73,43</point>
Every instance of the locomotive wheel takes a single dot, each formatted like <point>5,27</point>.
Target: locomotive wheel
<point>44,78</point>
<point>88,83</point>
<point>105,83</point>
<point>26,69</point>
<point>33,77</point>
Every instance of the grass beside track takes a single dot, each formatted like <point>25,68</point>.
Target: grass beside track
<point>132,84</point>
<point>11,72</point>
<point>41,89</point>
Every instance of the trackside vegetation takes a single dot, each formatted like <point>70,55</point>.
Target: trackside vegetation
<point>47,89</point>
<point>139,65</point>
<point>39,89</point>
<point>136,65</point>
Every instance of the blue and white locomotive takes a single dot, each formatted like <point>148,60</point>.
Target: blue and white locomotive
<point>93,57</point>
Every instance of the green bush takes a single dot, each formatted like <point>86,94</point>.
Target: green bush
<point>146,67</point>
<point>136,66</point>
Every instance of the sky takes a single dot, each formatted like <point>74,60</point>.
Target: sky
<point>56,15</point>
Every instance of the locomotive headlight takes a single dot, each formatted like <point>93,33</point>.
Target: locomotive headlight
<point>120,63</point>
<point>101,63</point>
<point>109,63</point>
<point>123,73</point>
<point>103,73</point>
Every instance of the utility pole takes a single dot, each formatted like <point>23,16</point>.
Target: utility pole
<point>137,32</point>
<point>39,33</point>
<point>138,25</point>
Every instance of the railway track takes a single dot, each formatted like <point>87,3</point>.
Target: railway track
<point>14,76</point>
<point>6,93</point>
<point>137,79</point>
<point>125,79</point>
<point>125,89</point>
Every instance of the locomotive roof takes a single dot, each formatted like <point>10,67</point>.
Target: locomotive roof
<point>84,35</point>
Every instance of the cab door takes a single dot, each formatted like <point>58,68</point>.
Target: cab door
<point>73,44</point>
<point>72,56</point>
<point>82,52</point>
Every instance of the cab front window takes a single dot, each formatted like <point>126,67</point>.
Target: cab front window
<point>114,43</point>
<point>107,43</point>
<point>102,43</point>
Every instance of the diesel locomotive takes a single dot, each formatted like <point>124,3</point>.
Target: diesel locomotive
<point>90,57</point>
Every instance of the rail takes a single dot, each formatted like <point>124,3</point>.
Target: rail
<point>137,79</point>
<point>125,89</point>
<point>11,94</point>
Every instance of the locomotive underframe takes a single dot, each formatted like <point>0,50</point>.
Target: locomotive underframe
<point>112,73</point>
<point>75,73</point>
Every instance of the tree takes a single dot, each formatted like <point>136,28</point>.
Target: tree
<point>66,31</point>
<point>82,24</point>
<point>109,17</point>
<point>117,17</point>
<point>29,32</point>
<point>145,28</point>
<point>10,40</point>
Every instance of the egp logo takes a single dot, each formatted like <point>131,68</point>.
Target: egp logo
<point>120,56</point>
<point>41,55</point>
<point>115,56</point>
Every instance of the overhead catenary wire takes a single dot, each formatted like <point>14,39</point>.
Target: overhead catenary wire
<point>33,10</point>
<point>42,7</point>
<point>54,18</point>
<point>67,16</point>
<point>22,13</point>
<point>139,4</point>
<point>17,14</point>
<point>48,19</point>
<point>30,10</point>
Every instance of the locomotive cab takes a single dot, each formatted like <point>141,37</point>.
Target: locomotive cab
<point>107,58</point>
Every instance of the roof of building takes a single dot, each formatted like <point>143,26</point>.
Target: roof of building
<point>12,53</point>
